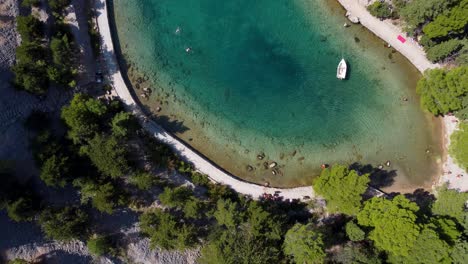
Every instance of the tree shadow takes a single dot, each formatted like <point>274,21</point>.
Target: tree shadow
<point>379,178</point>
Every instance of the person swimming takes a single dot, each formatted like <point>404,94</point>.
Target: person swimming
<point>177,31</point>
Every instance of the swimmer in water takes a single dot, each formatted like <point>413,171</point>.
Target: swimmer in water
<point>177,31</point>
<point>188,50</point>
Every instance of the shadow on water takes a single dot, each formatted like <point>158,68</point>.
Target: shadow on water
<point>174,126</point>
<point>379,178</point>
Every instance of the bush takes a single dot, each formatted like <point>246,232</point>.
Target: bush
<point>22,209</point>
<point>63,223</point>
<point>175,197</point>
<point>380,9</point>
<point>459,145</point>
<point>200,179</point>
<point>54,171</point>
<point>443,50</point>
<point>442,90</point>
<point>144,180</point>
<point>167,231</point>
<point>29,27</point>
<point>99,245</point>
<point>354,232</point>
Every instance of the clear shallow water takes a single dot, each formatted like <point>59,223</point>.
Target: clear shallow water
<point>260,77</point>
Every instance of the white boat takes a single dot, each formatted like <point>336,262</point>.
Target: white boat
<point>341,70</point>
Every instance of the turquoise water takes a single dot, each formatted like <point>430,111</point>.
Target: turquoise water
<point>239,78</point>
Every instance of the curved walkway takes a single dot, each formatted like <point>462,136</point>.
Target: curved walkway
<point>388,32</point>
<point>200,163</point>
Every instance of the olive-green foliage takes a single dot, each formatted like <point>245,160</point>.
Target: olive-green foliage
<point>446,228</point>
<point>246,233</point>
<point>166,231</point>
<point>228,213</point>
<point>104,197</point>
<point>108,155</point>
<point>29,27</point>
<point>459,145</point>
<point>356,253</point>
<point>30,68</point>
<point>144,180</point>
<point>21,209</point>
<point>304,244</point>
<point>61,70</point>
<point>194,208</point>
<point>99,245</point>
<point>439,52</point>
<point>342,188</point>
<point>54,171</point>
<point>83,117</point>
<point>459,253</point>
<point>122,124</point>
<point>442,90</point>
<point>18,261</point>
<point>29,3</point>
<point>63,223</point>
<point>462,114</point>
<point>393,222</point>
<point>238,246</point>
<point>354,232</point>
<point>428,248</point>
<point>452,22</point>
<point>380,9</point>
<point>462,58</point>
<point>450,203</point>
<point>175,197</point>
<point>417,12</point>
<point>200,179</point>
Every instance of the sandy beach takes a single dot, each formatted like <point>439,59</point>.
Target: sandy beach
<point>416,55</point>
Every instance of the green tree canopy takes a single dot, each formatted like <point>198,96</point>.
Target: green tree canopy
<point>459,145</point>
<point>228,213</point>
<point>354,232</point>
<point>428,248</point>
<point>238,246</point>
<point>442,90</point>
<point>450,203</point>
<point>123,123</point>
<point>175,197</point>
<point>21,209</point>
<point>394,223</point>
<point>356,253</point>
<point>83,117</point>
<point>99,245</point>
<point>29,27</point>
<point>54,171</point>
<point>459,252</point>
<point>166,231</point>
<point>104,197</point>
<point>342,188</point>
<point>417,12</point>
<point>144,180</point>
<point>454,21</point>
<point>380,9</point>
<point>440,51</point>
<point>63,223</point>
<point>108,155</point>
<point>304,244</point>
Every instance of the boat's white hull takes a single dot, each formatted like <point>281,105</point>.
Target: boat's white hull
<point>341,70</point>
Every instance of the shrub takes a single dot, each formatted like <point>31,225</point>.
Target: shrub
<point>63,223</point>
<point>354,232</point>
<point>441,51</point>
<point>99,245</point>
<point>380,9</point>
